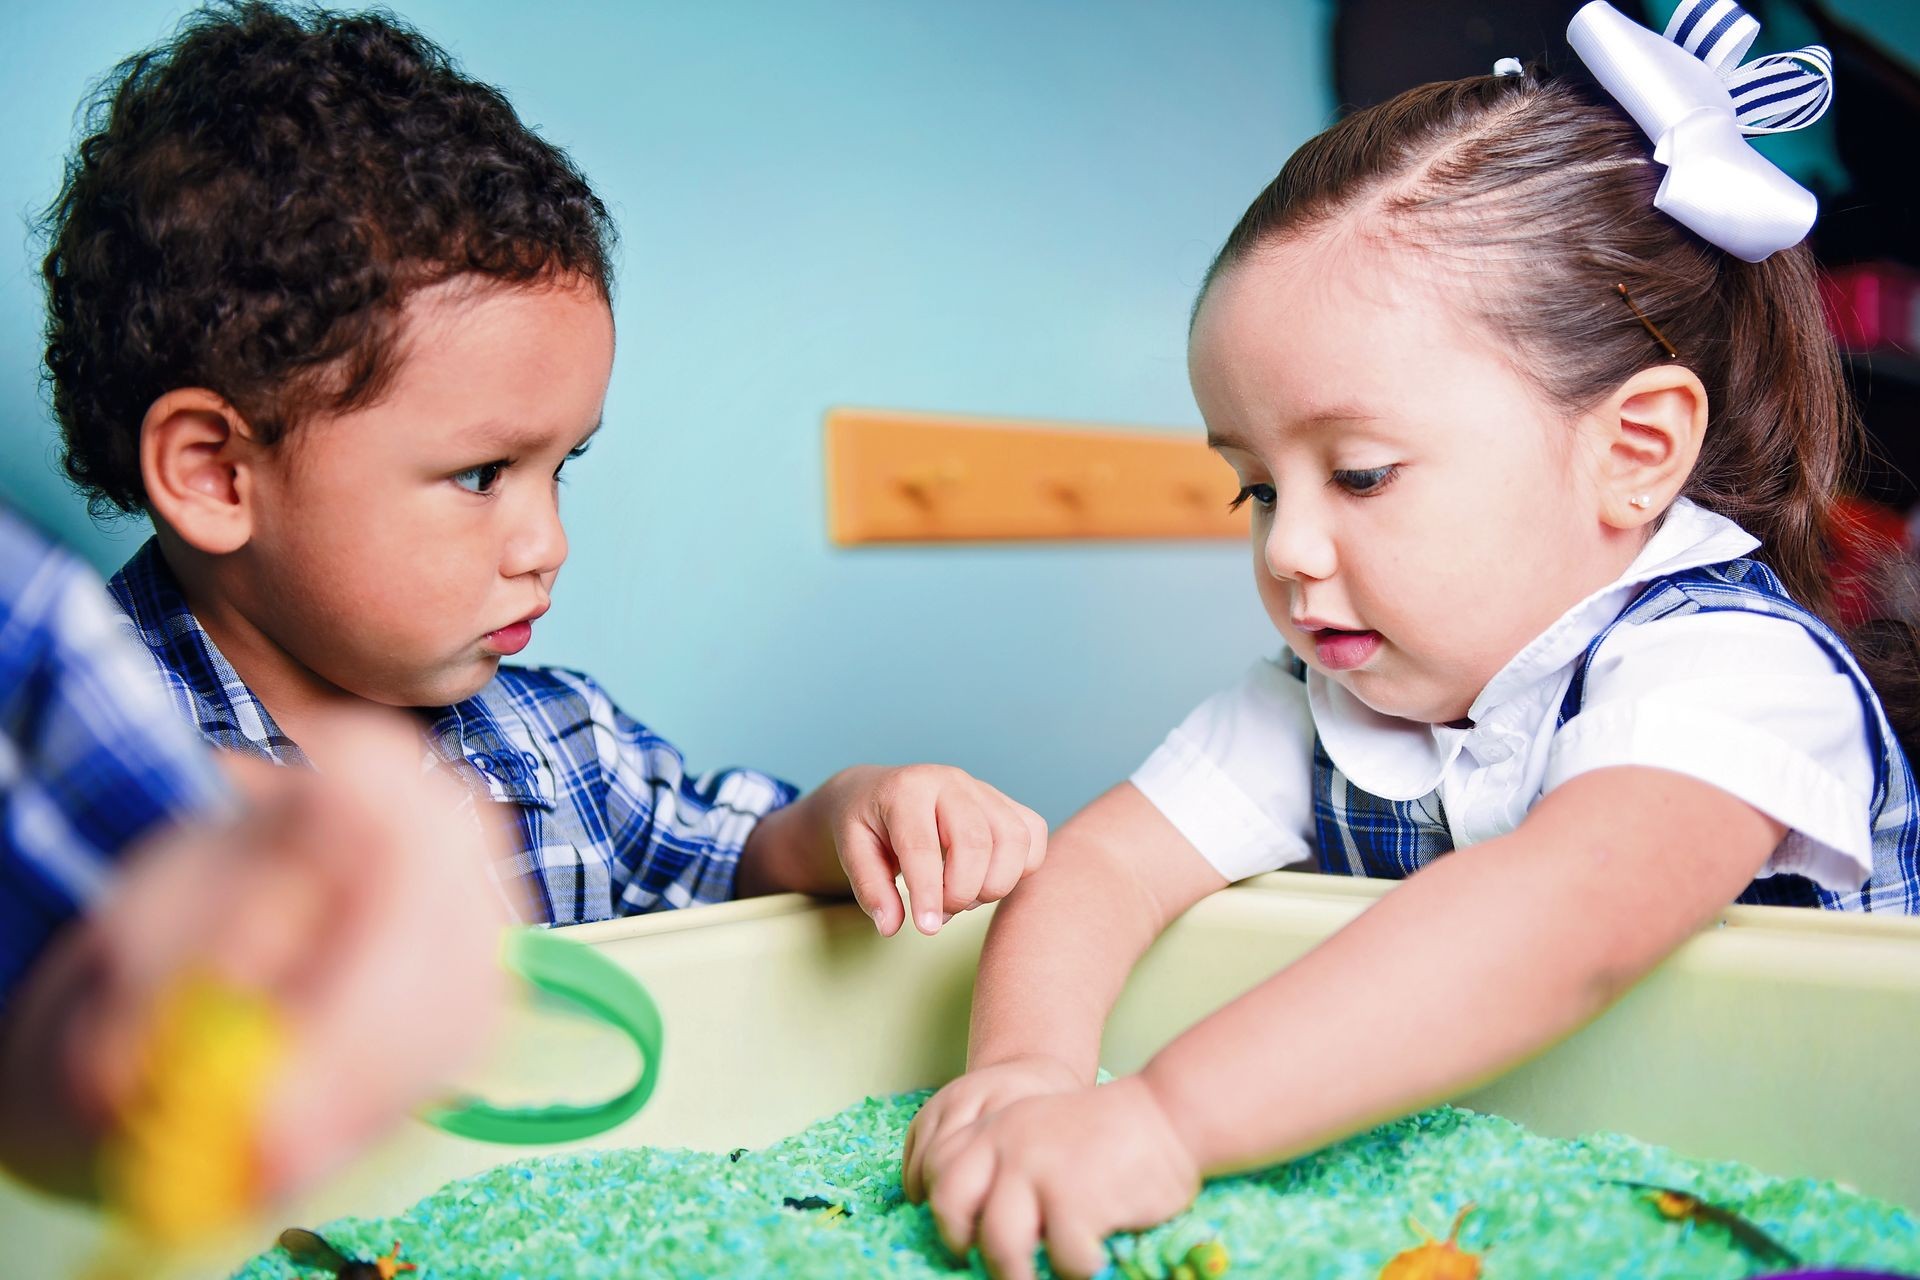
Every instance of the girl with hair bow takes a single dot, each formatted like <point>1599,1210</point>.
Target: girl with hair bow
<point>1530,396</point>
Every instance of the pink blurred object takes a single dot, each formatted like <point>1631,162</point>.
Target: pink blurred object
<point>1873,305</point>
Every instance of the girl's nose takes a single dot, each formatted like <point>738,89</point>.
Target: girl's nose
<point>1298,547</point>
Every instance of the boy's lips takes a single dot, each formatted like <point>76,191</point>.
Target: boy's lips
<point>515,636</point>
<point>511,638</point>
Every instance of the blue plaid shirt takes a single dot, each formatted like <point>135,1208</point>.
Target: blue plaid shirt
<point>609,822</point>
<point>1391,839</point>
<point>92,757</point>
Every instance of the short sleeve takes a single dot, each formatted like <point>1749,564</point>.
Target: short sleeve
<point>1236,777</point>
<point>1746,702</point>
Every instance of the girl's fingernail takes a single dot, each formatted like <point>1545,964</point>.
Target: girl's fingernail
<point>931,920</point>
<point>971,905</point>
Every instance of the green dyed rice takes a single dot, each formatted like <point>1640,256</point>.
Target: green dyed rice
<point>1545,1209</point>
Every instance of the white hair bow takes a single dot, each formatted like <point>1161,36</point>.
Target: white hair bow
<point>1688,91</point>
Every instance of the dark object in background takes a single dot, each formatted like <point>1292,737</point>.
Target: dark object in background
<point>1876,110</point>
<point>1381,47</point>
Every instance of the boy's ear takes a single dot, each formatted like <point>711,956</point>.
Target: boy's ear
<point>197,460</point>
<point>1647,437</point>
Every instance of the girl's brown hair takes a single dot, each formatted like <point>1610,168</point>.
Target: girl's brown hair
<point>1538,196</point>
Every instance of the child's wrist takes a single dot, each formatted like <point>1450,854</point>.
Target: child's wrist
<point>1185,1119</point>
<point>1054,1065</point>
<point>796,849</point>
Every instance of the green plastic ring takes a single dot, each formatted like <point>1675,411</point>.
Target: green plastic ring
<point>583,976</point>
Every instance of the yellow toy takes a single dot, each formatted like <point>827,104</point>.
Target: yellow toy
<point>182,1163</point>
<point>1204,1261</point>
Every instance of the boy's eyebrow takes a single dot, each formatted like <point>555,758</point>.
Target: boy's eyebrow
<point>510,438</point>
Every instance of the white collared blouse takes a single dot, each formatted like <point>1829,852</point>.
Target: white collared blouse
<point>1744,701</point>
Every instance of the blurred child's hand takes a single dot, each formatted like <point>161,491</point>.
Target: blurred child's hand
<point>955,840</point>
<point>356,902</point>
<point>975,1094</point>
<point>1067,1169</point>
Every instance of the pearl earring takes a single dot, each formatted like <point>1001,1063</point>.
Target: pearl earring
<point>1640,501</point>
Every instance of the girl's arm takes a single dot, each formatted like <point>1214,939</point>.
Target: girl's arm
<point>1060,949</point>
<point>1481,959</point>
<point>1056,956</point>
<point>1484,957</point>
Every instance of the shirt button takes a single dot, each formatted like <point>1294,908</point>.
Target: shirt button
<point>1494,752</point>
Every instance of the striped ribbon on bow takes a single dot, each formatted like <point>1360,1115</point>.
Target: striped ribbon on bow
<point>1690,93</point>
<point>1778,93</point>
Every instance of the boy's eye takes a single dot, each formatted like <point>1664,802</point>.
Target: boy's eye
<point>1362,483</point>
<point>1262,495</point>
<point>481,478</point>
<point>578,452</point>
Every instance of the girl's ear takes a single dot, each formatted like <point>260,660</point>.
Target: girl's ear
<point>1647,436</point>
<point>197,461</point>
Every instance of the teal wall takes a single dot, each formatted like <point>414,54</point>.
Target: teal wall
<point>996,207</point>
<point>990,207</point>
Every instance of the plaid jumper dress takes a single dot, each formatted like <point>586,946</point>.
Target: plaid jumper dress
<point>1363,834</point>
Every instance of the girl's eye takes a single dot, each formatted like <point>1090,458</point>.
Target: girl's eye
<point>1364,483</point>
<point>1262,495</point>
<point>479,479</point>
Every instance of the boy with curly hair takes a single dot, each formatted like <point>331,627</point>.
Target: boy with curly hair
<point>324,308</point>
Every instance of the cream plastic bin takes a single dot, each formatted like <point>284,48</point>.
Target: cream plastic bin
<point>1786,1038</point>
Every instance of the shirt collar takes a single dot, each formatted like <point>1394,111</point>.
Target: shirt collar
<point>227,712</point>
<point>1400,759</point>
<point>221,705</point>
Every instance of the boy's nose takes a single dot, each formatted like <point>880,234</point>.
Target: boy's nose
<point>1298,548</point>
<point>538,544</point>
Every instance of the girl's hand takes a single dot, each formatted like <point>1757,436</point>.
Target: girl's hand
<point>973,1095</point>
<point>1069,1169</point>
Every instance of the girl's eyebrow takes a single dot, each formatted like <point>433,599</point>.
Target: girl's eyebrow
<point>1320,419</point>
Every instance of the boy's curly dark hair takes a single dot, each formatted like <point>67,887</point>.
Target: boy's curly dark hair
<point>253,202</point>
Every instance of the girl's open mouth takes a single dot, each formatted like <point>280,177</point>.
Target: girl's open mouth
<point>1345,650</point>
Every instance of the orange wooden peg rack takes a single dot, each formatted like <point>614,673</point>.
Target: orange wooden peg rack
<point>898,476</point>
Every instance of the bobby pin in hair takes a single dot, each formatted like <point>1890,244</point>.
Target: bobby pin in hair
<point>1641,316</point>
